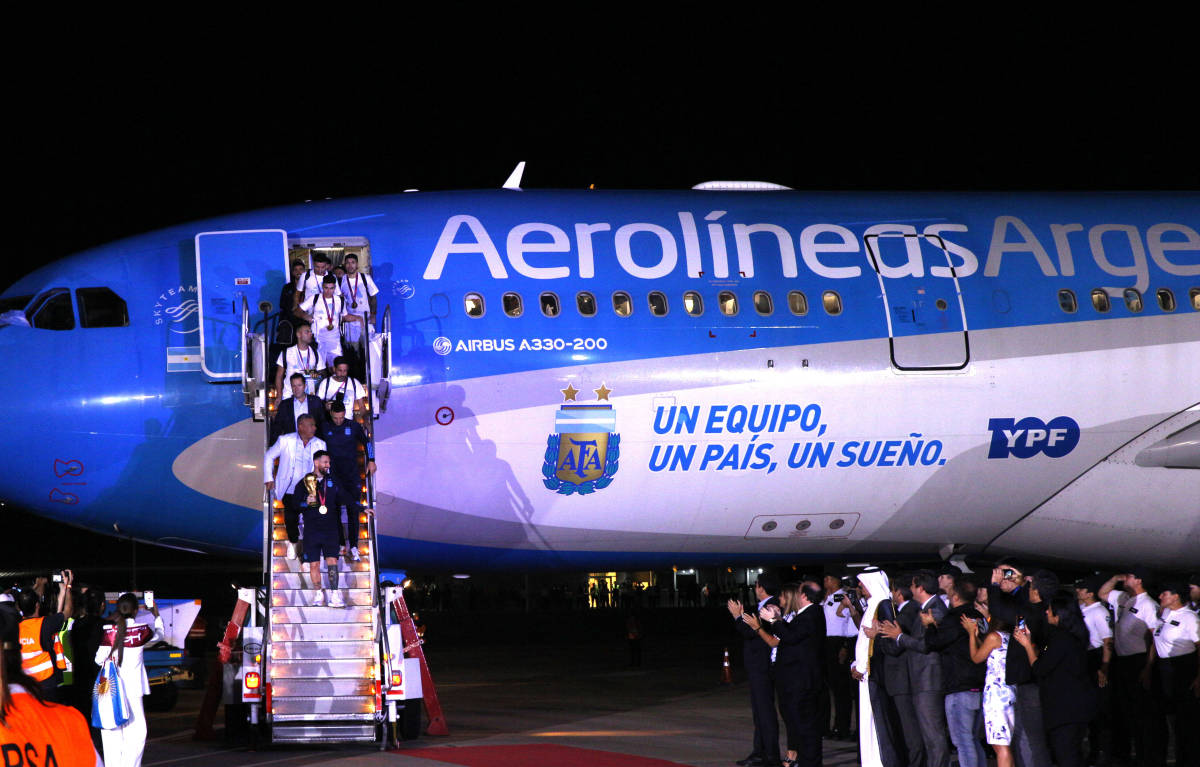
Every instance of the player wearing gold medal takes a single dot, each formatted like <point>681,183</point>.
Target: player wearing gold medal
<point>323,536</point>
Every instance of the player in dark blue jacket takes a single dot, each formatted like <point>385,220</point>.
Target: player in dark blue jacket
<point>342,437</point>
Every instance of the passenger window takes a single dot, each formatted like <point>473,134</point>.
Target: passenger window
<point>1133,300</point>
<point>797,303</point>
<point>1066,301</point>
<point>658,304</point>
<point>473,303</point>
<point>1166,299</point>
<point>1100,300</point>
<point>727,301</point>
<point>622,304</point>
<point>586,304</point>
<point>693,304</point>
<point>512,304</point>
<point>101,308</point>
<point>53,311</point>
<point>1194,294</point>
<point>832,303</point>
<point>763,303</point>
<point>549,302</point>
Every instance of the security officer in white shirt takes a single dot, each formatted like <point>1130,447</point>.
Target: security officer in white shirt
<point>841,631</point>
<point>1175,679</point>
<point>1099,621</point>
<point>359,290</point>
<point>1136,615</point>
<point>295,453</point>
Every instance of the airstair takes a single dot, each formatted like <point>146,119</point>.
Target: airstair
<point>311,672</point>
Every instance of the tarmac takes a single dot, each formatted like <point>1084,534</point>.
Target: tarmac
<point>535,703</point>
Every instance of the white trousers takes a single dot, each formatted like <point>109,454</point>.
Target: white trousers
<point>330,343</point>
<point>124,747</point>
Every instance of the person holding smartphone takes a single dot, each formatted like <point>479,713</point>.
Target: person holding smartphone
<point>41,659</point>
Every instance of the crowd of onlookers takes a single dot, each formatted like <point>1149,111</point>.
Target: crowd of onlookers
<point>1104,671</point>
<point>55,635</point>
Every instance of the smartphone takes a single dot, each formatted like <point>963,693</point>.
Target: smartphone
<point>149,597</point>
<point>1021,624</point>
<point>1008,573</point>
<point>56,578</point>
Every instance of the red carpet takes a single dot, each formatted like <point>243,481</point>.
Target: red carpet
<point>538,754</point>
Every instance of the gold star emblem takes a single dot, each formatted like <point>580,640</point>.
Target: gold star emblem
<point>569,393</point>
<point>602,393</point>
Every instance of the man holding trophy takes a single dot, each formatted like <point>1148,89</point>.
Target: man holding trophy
<point>321,497</point>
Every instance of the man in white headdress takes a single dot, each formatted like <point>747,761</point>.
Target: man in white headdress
<point>875,745</point>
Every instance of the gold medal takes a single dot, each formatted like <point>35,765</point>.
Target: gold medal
<point>353,304</point>
<point>323,509</point>
<point>329,326</point>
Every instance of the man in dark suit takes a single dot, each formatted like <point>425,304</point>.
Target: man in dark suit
<point>903,714</point>
<point>756,658</point>
<point>799,672</point>
<point>925,670</point>
<point>295,406</point>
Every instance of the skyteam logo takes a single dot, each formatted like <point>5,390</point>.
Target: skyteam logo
<point>442,345</point>
<point>581,454</point>
<point>1029,436</point>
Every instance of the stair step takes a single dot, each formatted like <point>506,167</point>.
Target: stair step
<point>320,720</point>
<point>310,706</point>
<point>322,688</point>
<point>316,733</point>
<point>279,551</point>
<point>304,598</point>
<point>285,615</point>
<point>284,565</point>
<point>285,651</point>
<point>293,581</point>
<point>323,632</point>
<point>360,668</point>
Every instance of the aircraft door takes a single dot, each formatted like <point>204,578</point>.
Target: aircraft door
<point>926,318</point>
<point>230,265</point>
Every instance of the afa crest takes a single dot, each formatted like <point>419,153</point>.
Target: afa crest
<point>581,454</point>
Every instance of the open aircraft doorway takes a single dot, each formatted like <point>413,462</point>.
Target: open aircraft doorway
<point>922,301</point>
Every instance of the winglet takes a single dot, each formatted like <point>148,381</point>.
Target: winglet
<point>514,179</point>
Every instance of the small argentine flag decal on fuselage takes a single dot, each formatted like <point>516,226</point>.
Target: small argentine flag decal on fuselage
<point>183,359</point>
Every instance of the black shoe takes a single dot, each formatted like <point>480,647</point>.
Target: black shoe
<point>754,760</point>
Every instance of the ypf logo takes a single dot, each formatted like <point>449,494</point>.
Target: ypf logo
<point>1029,436</point>
<point>442,345</point>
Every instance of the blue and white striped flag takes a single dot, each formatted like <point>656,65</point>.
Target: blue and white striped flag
<point>110,706</point>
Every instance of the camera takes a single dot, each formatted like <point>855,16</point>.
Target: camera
<point>1008,572</point>
<point>57,577</point>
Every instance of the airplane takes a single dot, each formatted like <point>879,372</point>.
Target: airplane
<point>582,379</point>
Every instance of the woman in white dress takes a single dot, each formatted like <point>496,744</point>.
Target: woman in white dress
<point>124,641</point>
<point>999,698</point>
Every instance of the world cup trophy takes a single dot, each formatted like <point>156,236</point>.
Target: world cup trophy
<point>310,485</point>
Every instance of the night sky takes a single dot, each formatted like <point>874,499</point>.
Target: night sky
<point>117,135</point>
<point>170,130</point>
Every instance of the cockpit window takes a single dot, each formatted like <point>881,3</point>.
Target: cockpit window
<point>101,308</point>
<point>52,310</point>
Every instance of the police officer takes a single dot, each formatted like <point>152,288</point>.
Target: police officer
<point>342,437</point>
<point>840,635</point>
<point>1175,680</point>
<point>1136,618</point>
